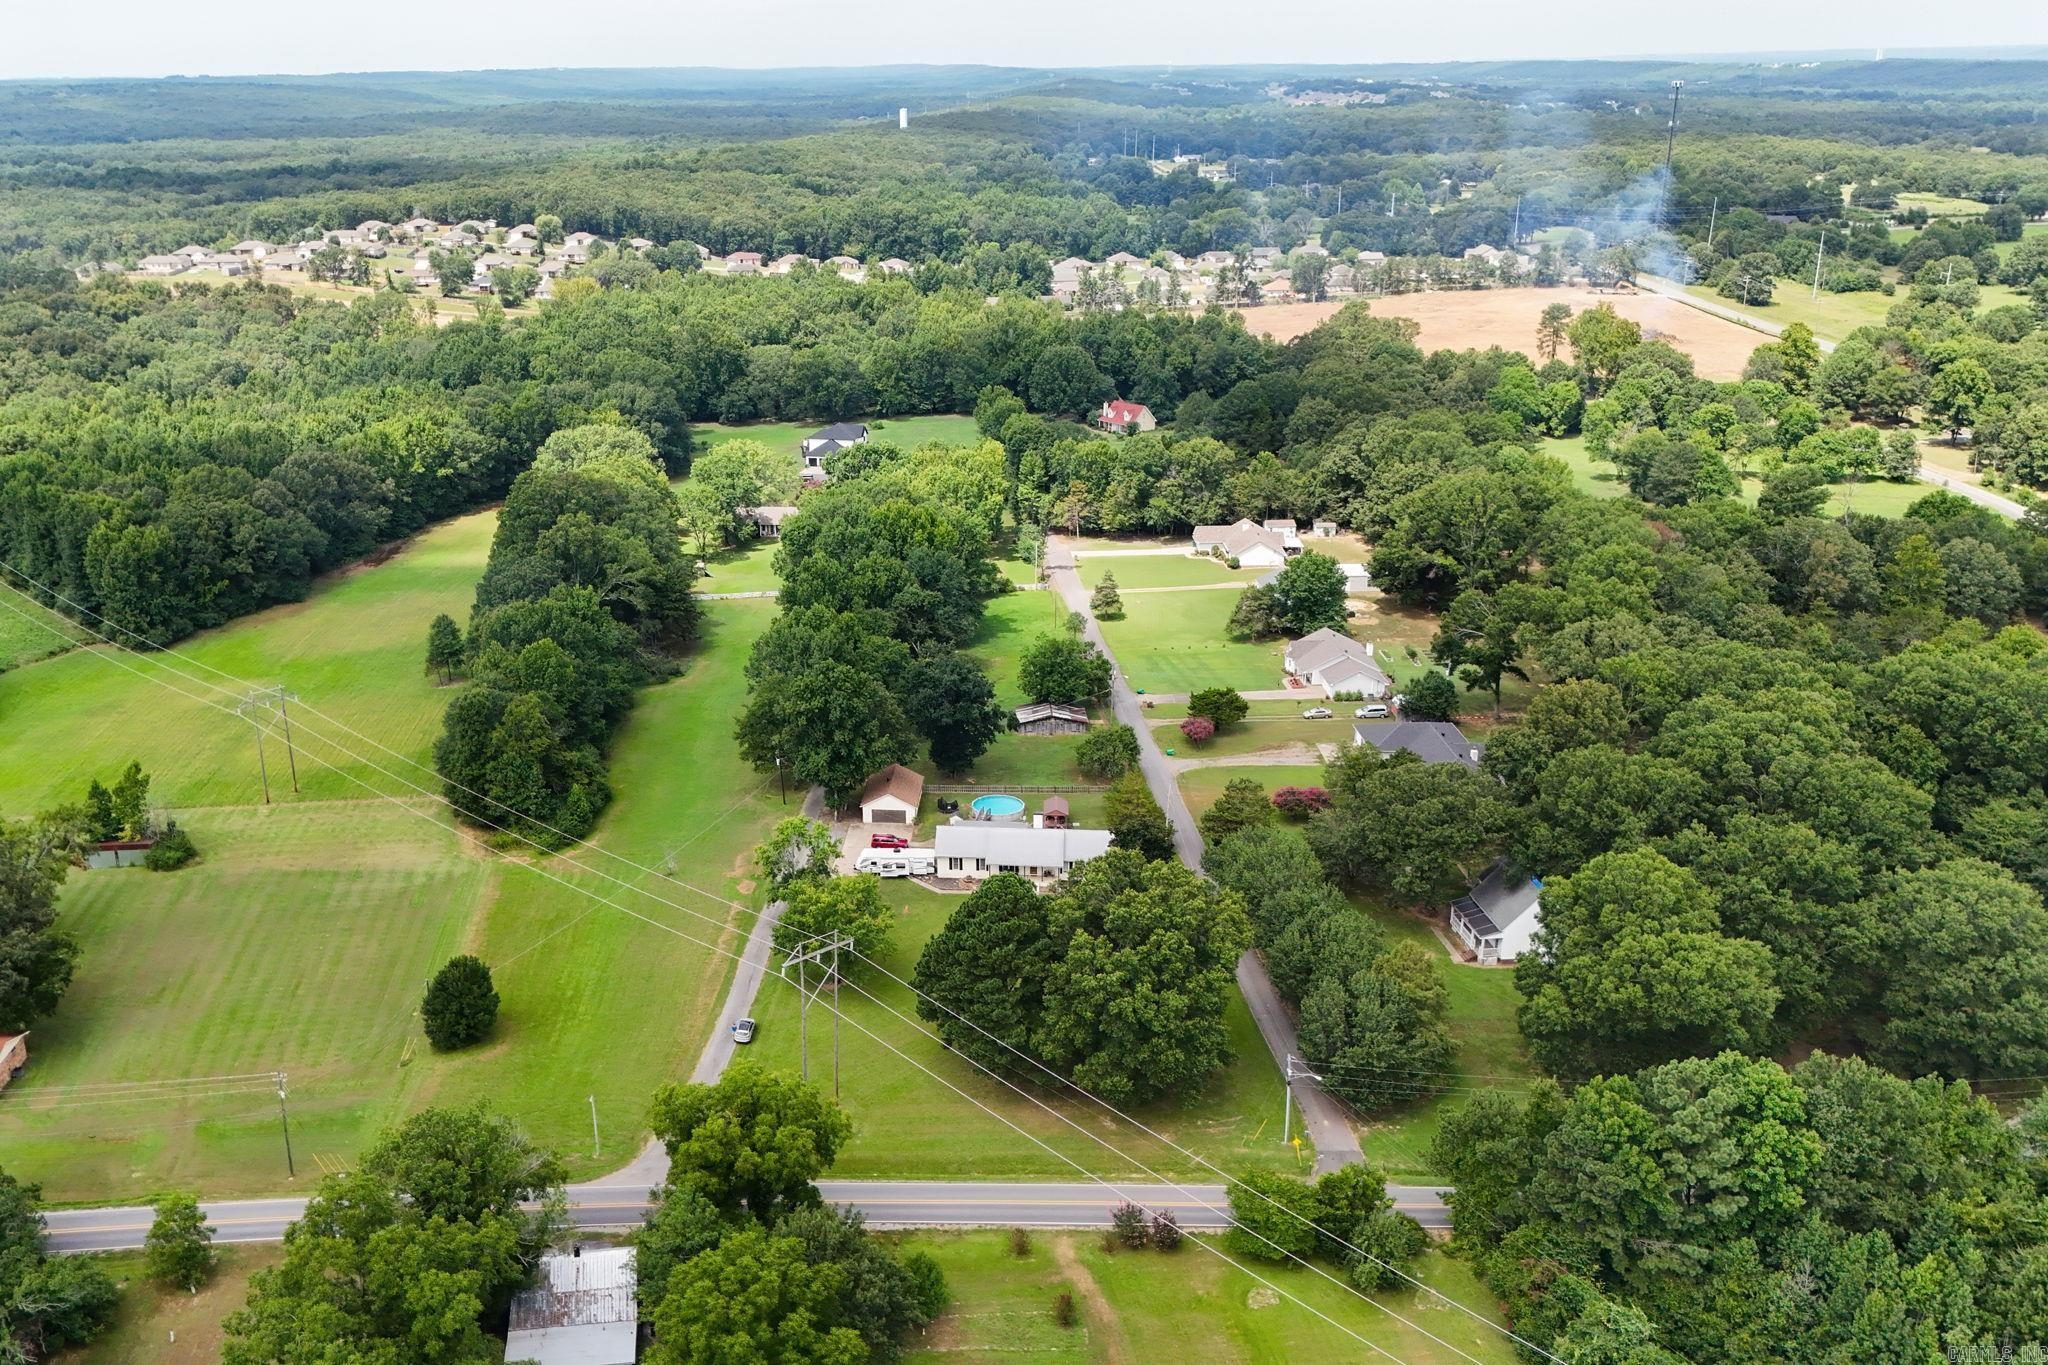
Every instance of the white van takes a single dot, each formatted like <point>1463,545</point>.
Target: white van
<point>897,862</point>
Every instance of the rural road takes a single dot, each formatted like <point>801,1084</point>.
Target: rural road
<point>887,1203</point>
<point>1336,1145</point>
<point>1671,289</point>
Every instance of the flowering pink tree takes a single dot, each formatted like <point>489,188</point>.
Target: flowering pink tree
<point>1299,803</point>
<point>1197,728</point>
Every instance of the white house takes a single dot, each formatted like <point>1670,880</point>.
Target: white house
<point>892,796</point>
<point>1498,918</point>
<point>767,521</point>
<point>164,265</point>
<point>1285,528</point>
<point>980,848</point>
<point>828,440</point>
<point>583,1311</point>
<point>1250,544</point>
<point>1336,663</point>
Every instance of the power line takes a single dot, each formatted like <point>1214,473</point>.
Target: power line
<point>712,947</point>
<point>161,652</point>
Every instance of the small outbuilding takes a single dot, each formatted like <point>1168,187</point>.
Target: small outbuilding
<point>583,1311</point>
<point>1054,814</point>
<point>892,796</point>
<point>1498,918</point>
<point>1051,718</point>
<point>13,1056</point>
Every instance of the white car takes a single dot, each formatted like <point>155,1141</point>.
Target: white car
<point>1317,713</point>
<point>743,1031</point>
<point>1376,711</point>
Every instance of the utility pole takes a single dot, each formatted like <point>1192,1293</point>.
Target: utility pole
<point>1712,214</point>
<point>1294,1072</point>
<point>1818,257</point>
<point>824,950</point>
<point>1516,236</point>
<point>284,1120</point>
<point>1671,132</point>
<point>780,789</point>
<point>593,1127</point>
<point>263,699</point>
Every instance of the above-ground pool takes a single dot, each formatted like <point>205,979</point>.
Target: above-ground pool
<point>998,807</point>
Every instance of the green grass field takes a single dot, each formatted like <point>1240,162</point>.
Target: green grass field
<point>1200,787</point>
<point>301,939</point>
<point>1941,205</point>
<point>951,428</point>
<point>1190,1305</point>
<point>353,651</point>
<point>1177,642</point>
<point>1873,497</point>
<point>1165,571</point>
<point>26,631</point>
<point>1834,316</point>
<point>1009,624</point>
<point>909,1123</point>
<point>750,568</point>
<point>1258,736</point>
<point>170,1327</point>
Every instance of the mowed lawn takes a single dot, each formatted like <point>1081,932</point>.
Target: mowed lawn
<point>1257,736</point>
<point>1834,316</point>
<point>169,1326</point>
<point>749,568</point>
<point>303,937</point>
<point>1192,1305</point>
<point>352,651</point>
<point>1009,624</point>
<point>1164,571</point>
<point>1178,642</point>
<point>1200,787</point>
<point>909,1120</point>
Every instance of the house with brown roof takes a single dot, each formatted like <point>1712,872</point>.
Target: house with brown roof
<point>892,796</point>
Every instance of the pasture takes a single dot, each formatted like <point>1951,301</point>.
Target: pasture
<point>302,938</point>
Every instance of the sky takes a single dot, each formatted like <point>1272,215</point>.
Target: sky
<point>151,38</point>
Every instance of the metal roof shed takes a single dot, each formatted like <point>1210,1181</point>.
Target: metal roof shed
<point>582,1311</point>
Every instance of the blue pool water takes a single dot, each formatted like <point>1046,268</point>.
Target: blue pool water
<point>998,805</point>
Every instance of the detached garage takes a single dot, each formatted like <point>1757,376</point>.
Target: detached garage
<point>892,796</point>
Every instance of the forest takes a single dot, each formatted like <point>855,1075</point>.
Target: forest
<point>1782,768</point>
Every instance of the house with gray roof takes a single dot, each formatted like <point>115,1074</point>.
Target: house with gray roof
<point>1336,663</point>
<point>982,848</point>
<point>1498,918</point>
<point>1432,741</point>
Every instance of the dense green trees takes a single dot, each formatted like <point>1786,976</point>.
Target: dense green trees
<point>408,1255</point>
<point>46,1302</point>
<point>1750,1213</point>
<point>1063,667</point>
<point>36,956</point>
<point>1116,981</point>
<point>740,1259</point>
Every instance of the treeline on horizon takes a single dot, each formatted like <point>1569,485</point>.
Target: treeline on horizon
<point>1050,165</point>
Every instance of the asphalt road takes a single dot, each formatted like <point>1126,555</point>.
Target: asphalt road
<point>887,1203</point>
<point>1336,1145</point>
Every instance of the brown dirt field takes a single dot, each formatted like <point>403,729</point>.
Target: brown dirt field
<point>1478,318</point>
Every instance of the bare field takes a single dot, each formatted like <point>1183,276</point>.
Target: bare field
<point>1477,318</point>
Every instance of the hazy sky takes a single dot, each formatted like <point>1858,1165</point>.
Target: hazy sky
<point>154,38</point>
